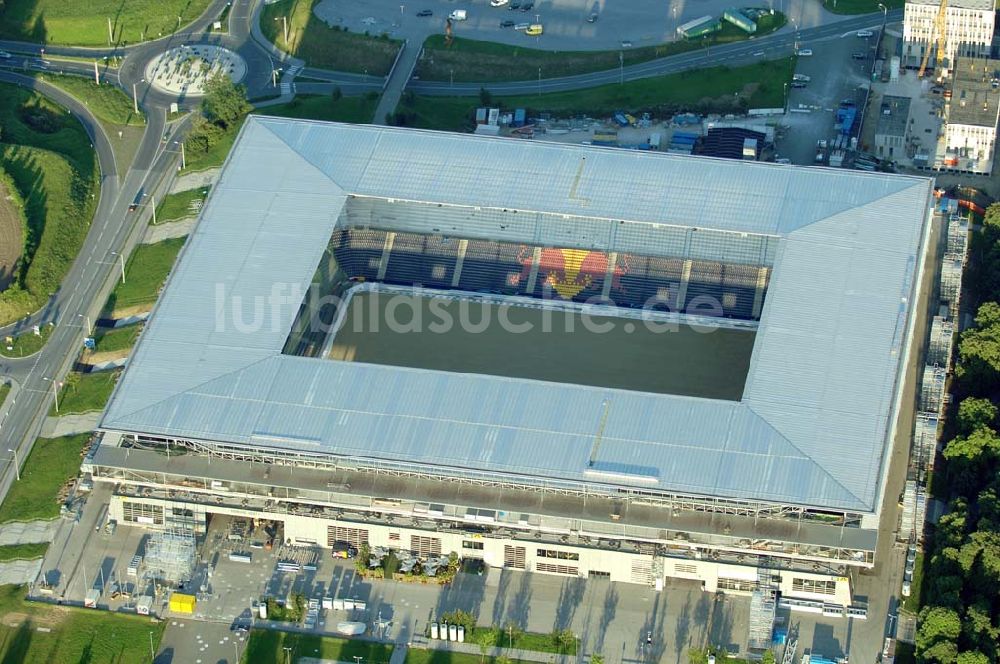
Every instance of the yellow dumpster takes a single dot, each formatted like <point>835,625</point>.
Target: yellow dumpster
<point>180,603</point>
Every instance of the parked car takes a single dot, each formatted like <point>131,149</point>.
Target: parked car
<point>498,3</point>
<point>507,24</point>
<point>514,5</point>
<point>522,26</point>
<point>858,55</point>
<point>865,33</point>
<point>626,44</point>
<point>527,7</point>
<point>4,54</point>
<point>592,18</point>
<point>798,84</point>
<point>459,15</point>
<point>534,30</point>
<point>423,13</point>
<point>805,51</point>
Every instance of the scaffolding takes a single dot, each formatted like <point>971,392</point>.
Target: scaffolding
<point>958,237</point>
<point>170,556</point>
<point>932,389</point>
<point>763,602</point>
<point>951,282</point>
<point>925,438</point>
<point>941,340</point>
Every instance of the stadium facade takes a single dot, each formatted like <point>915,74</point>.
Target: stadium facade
<point>221,413</point>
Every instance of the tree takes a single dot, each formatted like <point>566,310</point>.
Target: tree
<point>564,640</point>
<point>463,618</point>
<point>513,633</point>
<point>938,634</point>
<point>597,658</point>
<point>364,555</point>
<point>979,350</point>
<point>225,103</point>
<point>975,414</point>
<point>696,656</point>
<point>487,639</point>
<point>972,657</point>
<point>767,657</point>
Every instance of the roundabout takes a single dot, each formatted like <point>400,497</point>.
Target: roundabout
<point>185,70</point>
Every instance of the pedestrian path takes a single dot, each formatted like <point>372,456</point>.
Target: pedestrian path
<point>398,78</point>
<point>496,651</point>
<point>168,230</point>
<point>17,572</point>
<point>28,532</point>
<point>69,425</point>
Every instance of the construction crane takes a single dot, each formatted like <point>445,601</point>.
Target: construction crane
<point>937,32</point>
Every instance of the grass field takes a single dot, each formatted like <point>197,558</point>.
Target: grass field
<point>859,6</point>
<point>719,89</point>
<point>85,393</point>
<point>52,462</point>
<point>120,338</point>
<point>73,635</point>
<point>145,272</point>
<point>106,102</point>
<point>268,645</point>
<point>49,158</point>
<point>180,205</point>
<point>358,109</point>
<point>22,551</point>
<point>321,46</point>
<point>28,343</point>
<point>13,228</point>
<point>625,355</point>
<point>86,23</point>
<point>471,60</point>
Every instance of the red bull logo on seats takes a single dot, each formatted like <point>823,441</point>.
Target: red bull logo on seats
<point>569,272</point>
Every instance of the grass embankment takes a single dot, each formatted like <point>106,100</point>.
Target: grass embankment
<point>27,343</point>
<point>85,393</point>
<point>180,205</point>
<point>108,103</point>
<point>269,645</point>
<point>473,60</point>
<point>719,89</point>
<point>420,656</point>
<point>4,391</point>
<point>86,23</point>
<point>358,109</point>
<point>312,40</point>
<point>71,634</point>
<point>49,158</point>
<point>22,551</point>
<point>52,462</point>
<point>912,603</point>
<point>859,6</point>
<point>13,229</point>
<point>145,272</point>
<point>120,338</point>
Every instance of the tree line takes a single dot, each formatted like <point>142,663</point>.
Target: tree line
<point>958,623</point>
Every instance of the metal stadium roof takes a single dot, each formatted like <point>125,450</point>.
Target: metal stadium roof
<point>812,425</point>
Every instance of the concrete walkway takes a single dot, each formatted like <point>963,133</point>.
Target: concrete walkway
<point>473,649</point>
<point>168,230</point>
<point>28,532</point>
<point>17,572</point>
<point>398,78</point>
<point>68,425</point>
<point>197,180</point>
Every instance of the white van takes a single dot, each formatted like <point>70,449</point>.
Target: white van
<point>458,15</point>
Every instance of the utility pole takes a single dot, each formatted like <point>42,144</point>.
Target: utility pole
<point>152,653</point>
<point>284,23</point>
<point>111,35</point>
<point>152,202</point>
<point>539,81</point>
<point>135,100</point>
<point>183,161</point>
<point>621,67</point>
<point>97,78</point>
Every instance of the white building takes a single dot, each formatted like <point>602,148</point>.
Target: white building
<point>969,31</point>
<point>971,116</point>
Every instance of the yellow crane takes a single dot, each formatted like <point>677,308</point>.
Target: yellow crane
<point>938,33</point>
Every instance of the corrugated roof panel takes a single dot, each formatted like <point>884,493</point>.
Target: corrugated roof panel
<point>811,427</point>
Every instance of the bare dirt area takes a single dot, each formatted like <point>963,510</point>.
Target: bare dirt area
<point>11,236</point>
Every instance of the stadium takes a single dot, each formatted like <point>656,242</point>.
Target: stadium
<point>701,378</point>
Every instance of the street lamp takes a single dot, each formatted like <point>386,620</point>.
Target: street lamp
<point>87,319</point>
<point>284,23</point>
<point>288,653</point>
<point>621,67</point>
<point>121,259</point>
<point>17,466</point>
<point>55,390</point>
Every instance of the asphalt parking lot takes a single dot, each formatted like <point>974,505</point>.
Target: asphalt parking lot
<point>835,76</point>
<point>641,22</point>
